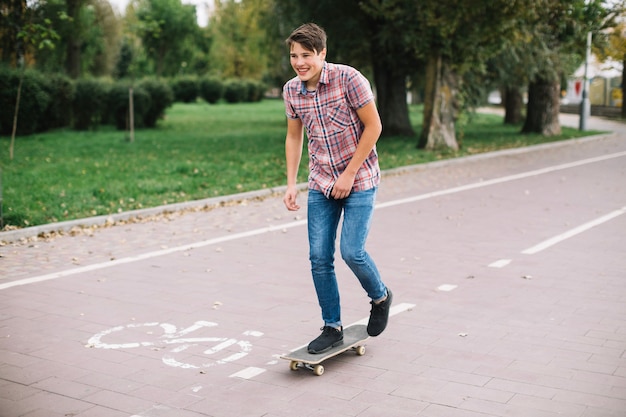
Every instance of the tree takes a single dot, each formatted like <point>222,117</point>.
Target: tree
<point>31,35</point>
<point>88,43</point>
<point>74,42</point>
<point>239,46</point>
<point>558,45</point>
<point>12,18</point>
<point>166,27</point>
<point>450,37</point>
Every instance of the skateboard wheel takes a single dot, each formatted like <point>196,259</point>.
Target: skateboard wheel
<point>293,365</point>
<point>318,370</point>
<point>360,350</point>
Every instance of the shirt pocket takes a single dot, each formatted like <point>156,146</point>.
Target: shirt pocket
<point>339,117</point>
<point>310,123</point>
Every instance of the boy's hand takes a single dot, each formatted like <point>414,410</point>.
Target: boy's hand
<point>290,199</point>
<point>343,186</point>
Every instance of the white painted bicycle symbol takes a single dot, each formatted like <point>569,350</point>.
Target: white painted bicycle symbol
<point>224,350</point>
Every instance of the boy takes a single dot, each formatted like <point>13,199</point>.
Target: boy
<point>336,106</point>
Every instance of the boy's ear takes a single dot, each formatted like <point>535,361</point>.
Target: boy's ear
<point>322,53</point>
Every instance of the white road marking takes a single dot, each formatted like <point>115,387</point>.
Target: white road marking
<point>573,232</point>
<point>150,255</point>
<point>248,373</point>
<point>447,287</point>
<point>284,226</point>
<point>171,336</point>
<point>500,180</point>
<point>500,263</point>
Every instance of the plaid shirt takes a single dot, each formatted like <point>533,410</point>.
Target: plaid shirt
<point>332,125</point>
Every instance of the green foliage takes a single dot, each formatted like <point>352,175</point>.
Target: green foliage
<point>124,61</point>
<point>61,90</point>
<point>161,97</point>
<point>186,88</point>
<point>256,90</point>
<point>166,29</point>
<point>240,38</point>
<point>211,89</point>
<point>118,105</point>
<point>34,101</point>
<point>235,91</point>
<point>89,103</point>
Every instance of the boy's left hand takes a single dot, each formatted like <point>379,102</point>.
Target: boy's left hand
<point>342,187</point>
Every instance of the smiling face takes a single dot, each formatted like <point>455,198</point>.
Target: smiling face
<point>307,64</point>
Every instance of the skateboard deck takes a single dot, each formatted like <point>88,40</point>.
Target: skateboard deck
<point>353,339</point>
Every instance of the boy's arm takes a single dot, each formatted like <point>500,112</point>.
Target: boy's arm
<point>373,128</point>
<point>293,154</point>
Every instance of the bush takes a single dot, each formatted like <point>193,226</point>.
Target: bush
<point>185,88</point>
<point>235,91</point>
<point>211,89</point>
<point>89,103</point>
<point>118,105</point>
<point>161,97</point>
<point>33,101</point>
<point>256,90</point>
<point>59,112</point>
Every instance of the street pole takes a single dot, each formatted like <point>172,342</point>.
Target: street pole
<point>585,106</point>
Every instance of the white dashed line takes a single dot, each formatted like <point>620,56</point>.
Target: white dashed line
<point>500,263</point>
<point>248,373</point>
<point>573,232</point>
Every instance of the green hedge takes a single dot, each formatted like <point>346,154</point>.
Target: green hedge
<point>211,89</point>
<point>50,101</point>
<point>89,104</point>
<point>34,101</point>
<point>161,97</point>
<point>185,88</point>
<point>118,105</point>
<point>59,112</point>
<point>235,91</point>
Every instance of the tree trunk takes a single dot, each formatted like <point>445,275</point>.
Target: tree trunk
<point>11,46</point>
<point>513,101</point>
<point>542,110</point>
<point>74,43</point>
<point>17,111</point>
<point>624,87</point>
<point>440,106</point>
<point>391,94</point>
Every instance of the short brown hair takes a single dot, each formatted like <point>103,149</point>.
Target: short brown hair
<point>310,36</point>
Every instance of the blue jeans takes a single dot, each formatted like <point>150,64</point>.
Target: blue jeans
<point>323,220</point>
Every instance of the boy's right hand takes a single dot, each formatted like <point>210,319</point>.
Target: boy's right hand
<point>290,199</point>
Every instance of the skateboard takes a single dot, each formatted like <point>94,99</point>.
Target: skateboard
<point>353,339</point>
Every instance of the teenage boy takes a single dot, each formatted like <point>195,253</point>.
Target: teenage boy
<point>335,104</point>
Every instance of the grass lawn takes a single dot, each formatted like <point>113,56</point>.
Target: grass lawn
<point>198,151</point>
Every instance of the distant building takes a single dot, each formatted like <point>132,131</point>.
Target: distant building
<point>605,84</point>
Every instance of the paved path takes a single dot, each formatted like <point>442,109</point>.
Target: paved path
<point>507,271</point>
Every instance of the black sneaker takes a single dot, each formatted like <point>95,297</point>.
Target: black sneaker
<point>379,315</point>
<point>329,338</point>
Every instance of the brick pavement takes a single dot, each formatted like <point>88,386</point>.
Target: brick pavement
<point>112,332</point>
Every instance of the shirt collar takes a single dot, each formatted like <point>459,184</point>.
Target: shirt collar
<point>323,79</point>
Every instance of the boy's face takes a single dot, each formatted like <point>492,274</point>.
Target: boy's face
<point>307,64</point>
